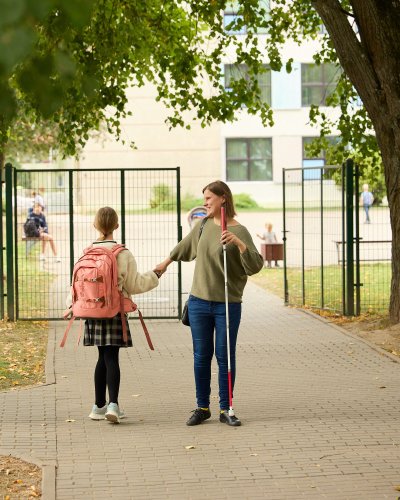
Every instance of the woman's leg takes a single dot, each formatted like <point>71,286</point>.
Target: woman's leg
<point>100,379</point>
<point>111,358</point>
<point>235,312</point>
<point>202,327</point>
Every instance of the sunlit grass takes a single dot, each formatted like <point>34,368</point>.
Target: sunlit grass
<point>324,290</point>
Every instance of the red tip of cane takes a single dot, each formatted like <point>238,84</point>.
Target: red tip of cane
<point>223,219</point>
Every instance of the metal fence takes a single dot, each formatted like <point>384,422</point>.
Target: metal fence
<point>148,204</point>
<point>333,259</point>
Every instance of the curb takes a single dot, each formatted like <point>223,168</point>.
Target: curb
<point>48,471</point>
<point>49,468</point>
<point>389,355</point>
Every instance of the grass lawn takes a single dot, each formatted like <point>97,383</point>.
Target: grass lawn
<point>374,293</point>
<point>33,284</point>
<point>23,346</point>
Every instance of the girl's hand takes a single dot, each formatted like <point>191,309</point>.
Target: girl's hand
<point>227,237</point>
<point>162,266</point>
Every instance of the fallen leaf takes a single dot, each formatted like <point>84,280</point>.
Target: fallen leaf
<point>190,447</point>
<point>70,420</point>
<point>18,481</point>
<point>397,488</point>
<point>382,387</point>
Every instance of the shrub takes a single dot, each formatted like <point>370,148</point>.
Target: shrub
<point>162,197</point>
<point>244,200</point>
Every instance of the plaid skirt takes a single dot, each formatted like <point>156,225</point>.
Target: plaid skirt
<point>106,332</point>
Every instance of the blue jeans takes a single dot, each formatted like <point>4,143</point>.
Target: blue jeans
<point>366,210</point>
<point>205,317</point>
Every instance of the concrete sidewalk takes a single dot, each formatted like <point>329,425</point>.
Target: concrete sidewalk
<point>320,412</point>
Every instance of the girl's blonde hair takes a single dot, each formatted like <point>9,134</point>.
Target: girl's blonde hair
<point>106,221</point>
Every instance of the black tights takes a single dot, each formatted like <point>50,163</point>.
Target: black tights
<point>107,374</point>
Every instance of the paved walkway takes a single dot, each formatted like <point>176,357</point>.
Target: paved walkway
<point>320,411</point>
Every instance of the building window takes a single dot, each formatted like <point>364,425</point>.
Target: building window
<point>318,83</point>
<point>231,16</point>
<point>234,72</point>
<point>316,161</point>
<point>249,159</point>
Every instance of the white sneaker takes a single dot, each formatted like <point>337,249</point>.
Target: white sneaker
<point>58,259</point>
<point>98,413</point>
<point>114,414</point>
<point>42,257</point>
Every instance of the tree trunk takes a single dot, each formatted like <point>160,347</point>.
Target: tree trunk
<point>388,136</point>
<point>371,59</point>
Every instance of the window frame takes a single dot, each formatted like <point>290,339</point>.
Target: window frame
<point>267,74</point>
<point>248,159</point>
<point>323,84</point>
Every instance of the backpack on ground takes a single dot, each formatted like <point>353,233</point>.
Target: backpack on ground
<point>30,229</point>
<point>95,292</point>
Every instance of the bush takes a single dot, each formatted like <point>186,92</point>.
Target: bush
<point>243,200</point>
<point>162,197</point>
<point>189,201</point>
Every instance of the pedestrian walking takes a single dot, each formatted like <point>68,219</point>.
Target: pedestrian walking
<point>109,335</point>
<point>206,305</point>
<point>366,200</point>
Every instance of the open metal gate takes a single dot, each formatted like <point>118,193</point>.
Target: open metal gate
<point>148,204</point>
<point>335,259</point>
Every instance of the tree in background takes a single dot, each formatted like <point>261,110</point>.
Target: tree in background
<point>71,62</point>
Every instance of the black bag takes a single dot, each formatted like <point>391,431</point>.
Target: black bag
<point>30,229</point>
<point>185,311</point>
<point>185,315</point>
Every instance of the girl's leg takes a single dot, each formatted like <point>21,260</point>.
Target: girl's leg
<point>100,379</point>
<point>235,312</point>
<point>47,238</point>
<point>202,327</point>
<point>111,358</point>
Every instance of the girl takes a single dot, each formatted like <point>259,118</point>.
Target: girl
<point>106,334</point>
<point>206,306</point>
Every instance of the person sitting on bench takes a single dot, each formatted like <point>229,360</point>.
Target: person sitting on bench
<point>36,227</point>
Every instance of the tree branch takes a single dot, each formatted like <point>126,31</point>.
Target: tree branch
<point>351,53</point>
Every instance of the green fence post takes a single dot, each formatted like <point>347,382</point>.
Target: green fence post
<point>179,224</point>
<point>123,229</point>
<point>303,280</point>
<point>10,242</point>
<point>357,239</point>
<point>285,281</point>
<point>349,238</point>
<point>2,248</point>
<point>322,235</point>
<point>71,221</point>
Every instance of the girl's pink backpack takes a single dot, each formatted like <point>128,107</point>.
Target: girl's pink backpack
<point>95,292</point>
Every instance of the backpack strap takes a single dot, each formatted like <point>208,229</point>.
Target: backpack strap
<point>145,330</point>
<point>64,339</point>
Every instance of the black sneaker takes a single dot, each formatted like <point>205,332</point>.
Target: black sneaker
<point>225,418</point>
<point>198,416</point>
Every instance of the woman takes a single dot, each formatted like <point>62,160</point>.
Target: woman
<point>206,304</point>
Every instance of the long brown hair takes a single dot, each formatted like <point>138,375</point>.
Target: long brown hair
<point>106,221</point>
<point>221,189</point>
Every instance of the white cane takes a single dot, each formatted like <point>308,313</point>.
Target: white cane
<point>223,228</point>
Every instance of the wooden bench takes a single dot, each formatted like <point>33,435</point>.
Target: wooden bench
<point>362,242</point>
<point>272,251</point>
